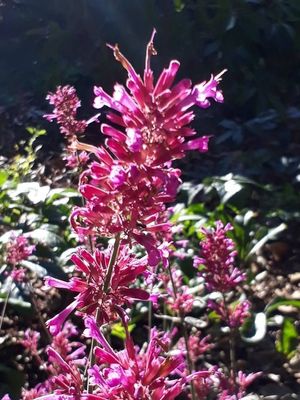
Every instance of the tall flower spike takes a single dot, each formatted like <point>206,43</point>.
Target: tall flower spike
<point>153,118</point>
<point>217,256</point>
<point>65,104</point>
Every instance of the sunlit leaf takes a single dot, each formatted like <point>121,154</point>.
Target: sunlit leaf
<point>289,338</point>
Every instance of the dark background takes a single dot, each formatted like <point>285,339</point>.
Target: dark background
<point>256,130</point>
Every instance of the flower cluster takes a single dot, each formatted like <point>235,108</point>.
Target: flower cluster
<point>65,104</point>
<point>17,250</point>
<point>64,354</point>
<point>93,291</point>
<point>126,199</point>
<point>217,257</point>
<point>135,374</point>
<point>178,297</point>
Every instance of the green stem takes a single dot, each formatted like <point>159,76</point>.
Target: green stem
<point>185,335</point>
<point>106,286</point>
<point>5,305</point>
<point>37,310</point>
<point>150,311</point>
<point>112,262</point>
<point>232,355</point>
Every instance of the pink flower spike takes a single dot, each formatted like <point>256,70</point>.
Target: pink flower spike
<point>217,255</point>
<point>18,249</point>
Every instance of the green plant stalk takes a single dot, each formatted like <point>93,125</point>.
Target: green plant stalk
<point>185,336</point>
<point>232,355</point>
<point>111,263</point>
<point>37,310</point>
<point>5,305</point>
<point>106,286</point>
<point>150,311</point>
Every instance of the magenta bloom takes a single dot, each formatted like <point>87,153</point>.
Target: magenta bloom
<point>197,345</point>
<point>18,249</point>
<point>30,340</point>
<point>182,300</point>
<point>124,198</point>
<point>127,188</point>
<point>153,117</point>
<point>234,316</point>
<point>66,103</point>
<point>136,374</point>
<point>64,357</point>
<point>89,286</point>
<point>217,256</point>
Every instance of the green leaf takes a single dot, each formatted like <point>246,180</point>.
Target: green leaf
<point>56,194</point>
<point>288,340</point>
<point>179,5</point>
<point>45,237</point>
<point>3,176</point>
<point>281,301</point>
<point>21,306</point>
<point>118,330</point>
<point>270,235</point>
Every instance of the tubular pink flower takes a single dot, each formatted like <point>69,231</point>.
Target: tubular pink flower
<point>197,346</point>
<point>125,198</point>
<point>234,316</point>
<point>154,117</point>
<point>134,374</point>
<point>90,285</point>
<point>30,340</point>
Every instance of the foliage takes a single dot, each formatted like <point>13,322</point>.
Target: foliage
<point>36,210</point>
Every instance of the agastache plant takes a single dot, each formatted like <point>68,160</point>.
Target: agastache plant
<point>217,265</point>
<point>127,186</point>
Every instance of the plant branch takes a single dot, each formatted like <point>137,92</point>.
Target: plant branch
<point>185,335</point>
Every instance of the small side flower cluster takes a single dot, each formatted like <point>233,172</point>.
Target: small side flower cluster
<point>18,249</point>
<point>66,103</point>
<point>220,273</point>
<point>64,351</point>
